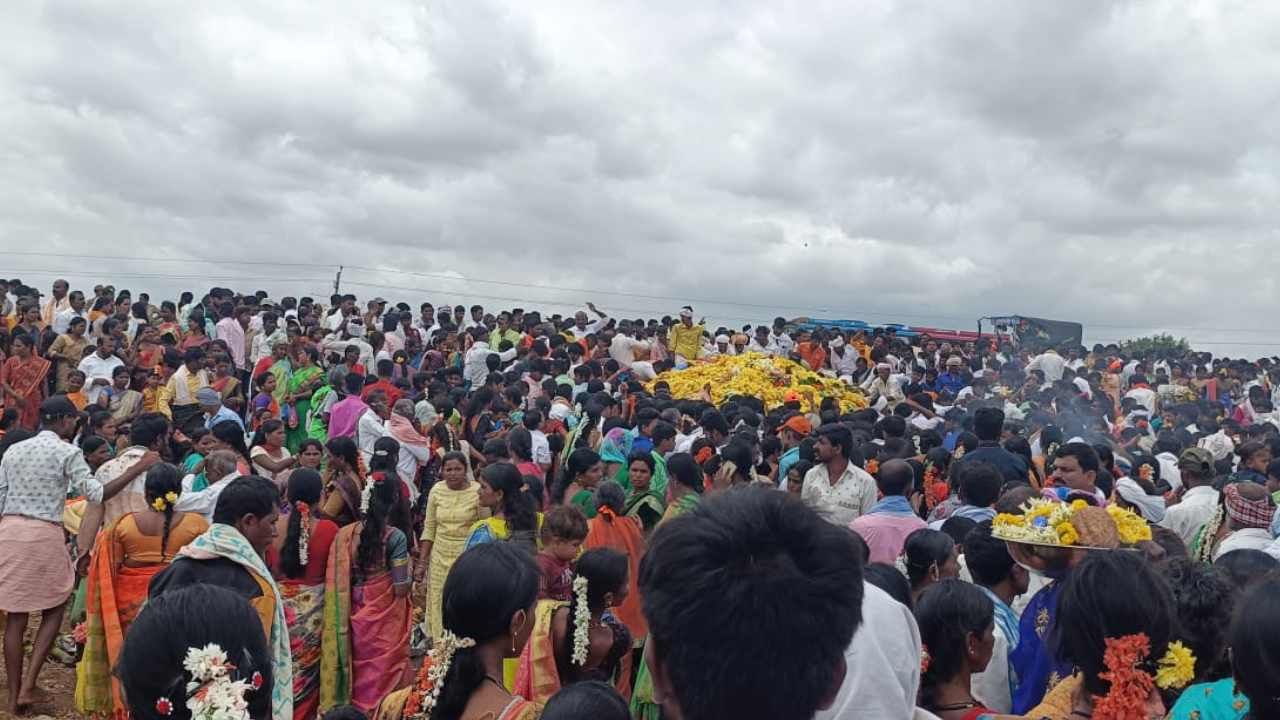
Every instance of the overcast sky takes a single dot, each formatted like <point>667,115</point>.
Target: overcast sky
<point>920,162</point>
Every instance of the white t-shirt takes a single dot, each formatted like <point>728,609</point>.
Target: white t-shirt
<point>883,663</point>
<point>260,451</point>
<point>94,366</point>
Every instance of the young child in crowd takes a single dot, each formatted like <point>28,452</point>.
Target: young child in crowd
<point>563,531</point>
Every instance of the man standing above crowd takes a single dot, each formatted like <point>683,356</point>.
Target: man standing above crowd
<point>685,338</point>
<point>581,328</point>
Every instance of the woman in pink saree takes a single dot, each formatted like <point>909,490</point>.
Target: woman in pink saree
<point>367,608</point>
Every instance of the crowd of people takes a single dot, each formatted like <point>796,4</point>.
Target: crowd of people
<point>237,507</point>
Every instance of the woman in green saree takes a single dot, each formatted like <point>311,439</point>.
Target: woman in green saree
<point>303,381</point>
<point>685,480</point>
<point>615,449</point>
<point>577,486</point>
<point>644,503</point>
<point>317,417</point>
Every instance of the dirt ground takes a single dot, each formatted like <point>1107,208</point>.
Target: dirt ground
<point>60,682</point>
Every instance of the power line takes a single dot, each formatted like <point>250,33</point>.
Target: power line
<point>168,276</point>
<point>208,261</point>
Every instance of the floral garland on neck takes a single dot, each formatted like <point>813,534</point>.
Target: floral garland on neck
<point>1204,553</point>
<point>581,621</point>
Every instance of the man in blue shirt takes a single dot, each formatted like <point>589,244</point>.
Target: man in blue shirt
<point>792,433</point>
<point>214,411</point>
<point>953,380</point>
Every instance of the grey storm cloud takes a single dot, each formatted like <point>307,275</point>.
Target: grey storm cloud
<point>1113,162</point>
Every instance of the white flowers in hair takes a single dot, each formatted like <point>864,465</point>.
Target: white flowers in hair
<point>441,658</point>
<point>304,537</point>
<point>211,693</point>
<point>366,496</point>
<point>900,563</point>
<point>581,621</point>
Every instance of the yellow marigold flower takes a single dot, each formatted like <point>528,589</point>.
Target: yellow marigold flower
<point>1177,668</point>
<point>158,504</point>
<point>1067,534</point>
<point>1006,519</point>
<point>1079,504</point>
<point>1129,525</point>
<point>171,497</point>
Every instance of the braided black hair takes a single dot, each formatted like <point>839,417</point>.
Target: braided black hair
<point>163,479</point>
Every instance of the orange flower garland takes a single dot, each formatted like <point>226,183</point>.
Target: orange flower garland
<point>1130,686</point>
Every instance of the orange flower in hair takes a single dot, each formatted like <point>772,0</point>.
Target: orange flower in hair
<point>1130,685</point>
<point>873,466</point>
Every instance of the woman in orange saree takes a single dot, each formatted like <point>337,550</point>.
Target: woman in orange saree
<point>367,615</point>
<point>128,554</point>
<point>610,529</point>
<point>22,379</point>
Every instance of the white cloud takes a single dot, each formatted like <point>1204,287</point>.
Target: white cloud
<point>1112,163</point>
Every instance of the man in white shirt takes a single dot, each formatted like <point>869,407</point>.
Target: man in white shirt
<point>1050,363</point>
<point>581,328</point>
<point>843,358</point>
<point>761,342</point>
<point>1142,393</point>
<point>780,339</point>
<point>220,469</point>
<point>1199,500</point>
<point>1249,512</point>
<point>56,302</point>
<point>623,347</point>
<point>264,340</point>
<point>883,386</point>
<point>372,424</point>
<point>475,369</point>
<point>352,336</point>
<point>98,366</point>
<point>75,309</point>
<point>839,490</point>
<point>883,663</point>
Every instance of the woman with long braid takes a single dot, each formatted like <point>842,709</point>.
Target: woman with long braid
<point>128,554</point>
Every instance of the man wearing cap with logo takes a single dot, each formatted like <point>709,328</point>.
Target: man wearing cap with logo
<point>685,338</point>
<point>793,431</point>
<point>36,571</point>
<point>1198,500</point>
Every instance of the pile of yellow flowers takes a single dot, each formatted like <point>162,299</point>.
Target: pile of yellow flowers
<point>761,376</point>
<point>1048,522</point>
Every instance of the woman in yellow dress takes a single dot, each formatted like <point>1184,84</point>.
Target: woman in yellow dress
<point>453,506</point>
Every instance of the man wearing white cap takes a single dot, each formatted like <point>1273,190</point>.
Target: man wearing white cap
<point>883,388</point>
<point>843,359</point>
<point>685,337</point>
<point>722,346</point>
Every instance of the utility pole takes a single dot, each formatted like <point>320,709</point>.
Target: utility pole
<point>337,281</point>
